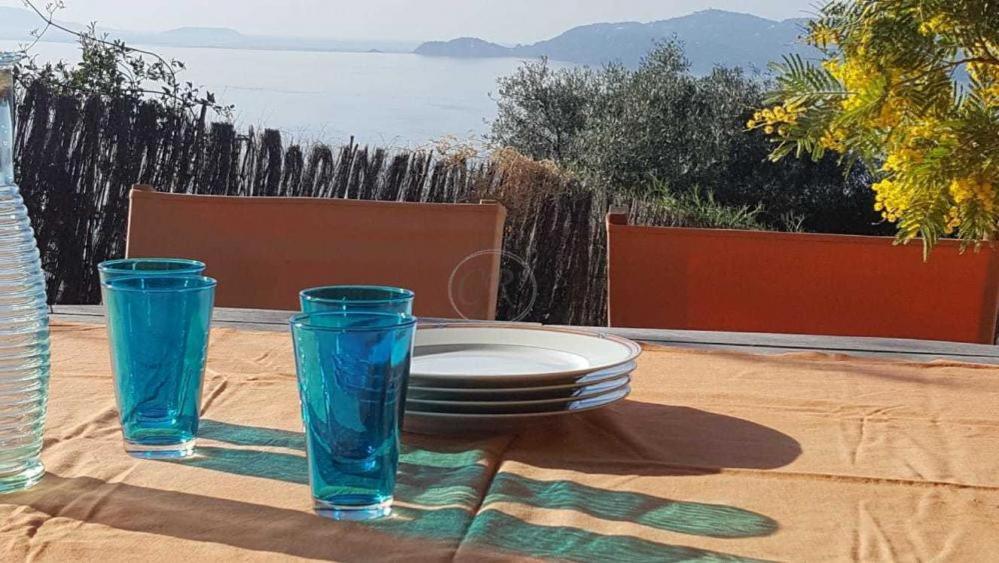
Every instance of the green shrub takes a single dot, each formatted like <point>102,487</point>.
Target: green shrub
<point>617,129</point>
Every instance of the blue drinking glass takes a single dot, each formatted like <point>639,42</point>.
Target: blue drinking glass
<point>132,267</point>
<point>357,298</point>
<point>158,333</point>
<point>352,372</point>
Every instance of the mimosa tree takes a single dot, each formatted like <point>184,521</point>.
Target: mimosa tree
<point>910,88</point>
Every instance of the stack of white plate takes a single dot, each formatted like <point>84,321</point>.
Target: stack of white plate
<point>493,377</point>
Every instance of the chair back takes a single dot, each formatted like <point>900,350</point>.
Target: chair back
<point>740,281</point>
<point>263,250</point>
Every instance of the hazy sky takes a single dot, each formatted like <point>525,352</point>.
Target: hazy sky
<point>496,20</point>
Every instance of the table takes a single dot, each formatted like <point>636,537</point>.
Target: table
<point>756,343</point>
<point>719,454</point>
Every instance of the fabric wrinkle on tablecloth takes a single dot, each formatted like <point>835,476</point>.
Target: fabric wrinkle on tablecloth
<point>715,455</point>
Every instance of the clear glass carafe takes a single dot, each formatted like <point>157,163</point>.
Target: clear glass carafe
<point>24,328</point>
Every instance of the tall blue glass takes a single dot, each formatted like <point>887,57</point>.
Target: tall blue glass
<point>144,267</point>
<point>158,332</point>
<point>357,298</point>
<point>352,372</point>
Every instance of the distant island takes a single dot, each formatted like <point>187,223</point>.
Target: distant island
<point>710,38</point>
<point>226,38</point>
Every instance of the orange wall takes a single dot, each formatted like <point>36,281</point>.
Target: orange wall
<point>701,279</point>
<point>263,250</point>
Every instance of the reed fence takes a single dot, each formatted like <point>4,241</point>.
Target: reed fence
<point>78,158</point>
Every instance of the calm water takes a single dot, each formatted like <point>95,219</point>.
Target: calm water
<point>380,98</point>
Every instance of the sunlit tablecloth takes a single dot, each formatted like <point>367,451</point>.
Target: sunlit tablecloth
<point>715,455</point>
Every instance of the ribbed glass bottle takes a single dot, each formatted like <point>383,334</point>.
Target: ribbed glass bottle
<point>24,327</point>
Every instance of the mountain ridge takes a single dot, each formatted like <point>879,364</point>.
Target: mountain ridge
<point>17,24</point>
<point>710,38</point>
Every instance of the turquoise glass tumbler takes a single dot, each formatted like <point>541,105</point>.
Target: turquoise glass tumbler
<point>158,332</point>
<point>145,267</point>
<point>372,298</point>
<point>352,374</point>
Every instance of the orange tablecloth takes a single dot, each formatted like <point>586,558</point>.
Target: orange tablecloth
<point>715,455</point>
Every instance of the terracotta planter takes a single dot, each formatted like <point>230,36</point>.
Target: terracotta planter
<point>702,279</point>
<point>263,250</point>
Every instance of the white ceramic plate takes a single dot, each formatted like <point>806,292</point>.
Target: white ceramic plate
<point>485,355</point>
<point>565,390</point>
<point>448,424</point>
<point>516,406</point>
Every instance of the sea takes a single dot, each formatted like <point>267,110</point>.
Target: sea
<point>393,100</point>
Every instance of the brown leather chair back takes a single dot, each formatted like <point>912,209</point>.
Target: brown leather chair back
<point>263,250</point>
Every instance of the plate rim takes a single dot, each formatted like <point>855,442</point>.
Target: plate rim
<point>619,371</point>
<point>634,351</point>
<point>624,394</point>
<point>625,381</point>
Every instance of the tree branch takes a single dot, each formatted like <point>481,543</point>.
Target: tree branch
<point>950,66</point>
<point>50,22</point>
<point>131,67</point>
